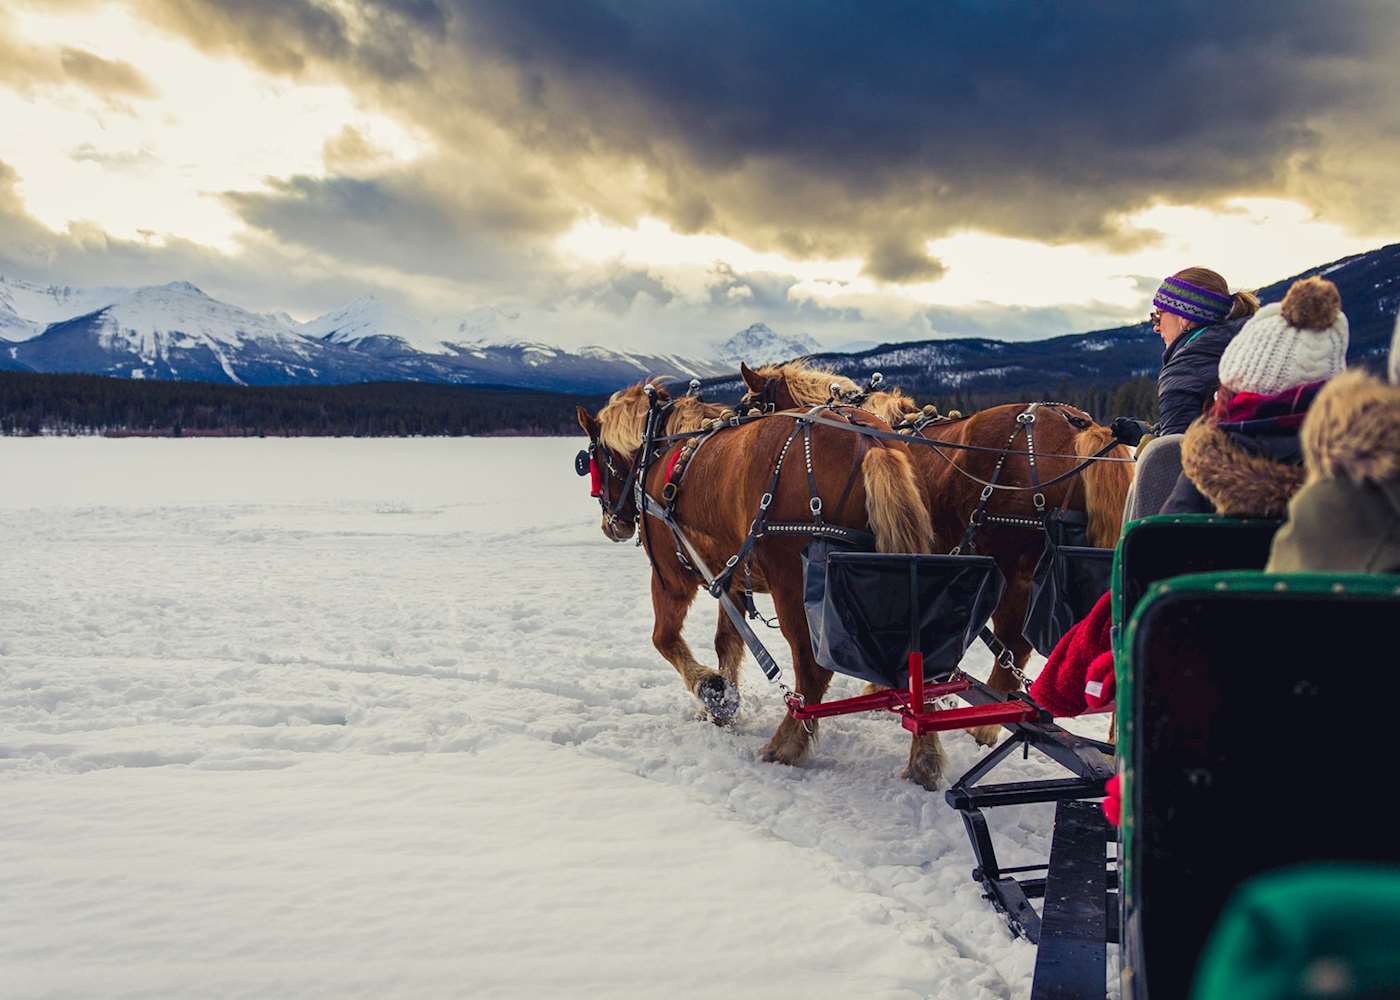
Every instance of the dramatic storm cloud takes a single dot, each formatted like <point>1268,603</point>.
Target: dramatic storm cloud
<point>840,128</point>
<point>851,147</point>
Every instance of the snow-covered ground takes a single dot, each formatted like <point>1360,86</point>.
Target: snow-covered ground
<point>382,718</point>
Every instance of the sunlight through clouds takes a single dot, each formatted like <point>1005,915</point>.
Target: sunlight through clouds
<point>143,167</point>
<point>1250,240</point>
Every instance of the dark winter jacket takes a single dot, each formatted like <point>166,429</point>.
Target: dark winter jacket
<point>1346,518</point>
<point>1190,375</point>
<point>1245,459</point>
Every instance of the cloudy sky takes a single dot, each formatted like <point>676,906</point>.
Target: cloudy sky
<point>657,173</point>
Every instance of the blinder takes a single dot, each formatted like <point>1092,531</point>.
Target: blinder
<point>581,462</point>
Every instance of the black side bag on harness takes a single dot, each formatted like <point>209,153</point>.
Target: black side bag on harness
<point>867,610</point>
<point>1069,579</point>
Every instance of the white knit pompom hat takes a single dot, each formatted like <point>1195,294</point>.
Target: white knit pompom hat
<point>1301,340</point>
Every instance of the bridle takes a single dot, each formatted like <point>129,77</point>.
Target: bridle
<point>599,462</point>
<point>659,408</point>
<point>762,401</point>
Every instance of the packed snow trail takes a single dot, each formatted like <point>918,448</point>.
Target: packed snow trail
<point>382,718</point>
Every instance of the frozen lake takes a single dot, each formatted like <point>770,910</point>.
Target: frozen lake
<point>382,718</point>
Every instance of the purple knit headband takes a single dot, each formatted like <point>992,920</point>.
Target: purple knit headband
<point>1190,301</point>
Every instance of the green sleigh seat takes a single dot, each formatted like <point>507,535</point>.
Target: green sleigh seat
<point>1160,547</point>
<point>1252,721</point>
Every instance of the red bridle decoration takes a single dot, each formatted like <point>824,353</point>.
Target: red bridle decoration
<point>671,465</point>
<point>595,473</point>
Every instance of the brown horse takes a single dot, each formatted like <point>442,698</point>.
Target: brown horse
<point>724,480</point>
<point>954,496</point>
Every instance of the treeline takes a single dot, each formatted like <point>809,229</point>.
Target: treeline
<point>1103,401</point>
<point>92,404</point>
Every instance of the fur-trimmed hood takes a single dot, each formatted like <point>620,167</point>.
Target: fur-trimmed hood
<point>1353,430</point>
<point>1238,480</point>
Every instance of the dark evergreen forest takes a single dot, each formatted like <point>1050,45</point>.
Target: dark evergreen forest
<point>92,404</point>
<point>1103,401</point>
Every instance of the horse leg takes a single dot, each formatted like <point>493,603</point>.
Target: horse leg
<point>926,757</point>
<point>792,742</point>
<point>729,647</point>
<point>1010,615</point>
<point>718,695</point>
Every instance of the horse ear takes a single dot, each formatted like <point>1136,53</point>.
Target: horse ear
<point>752,379</point>
<point>586,421</point>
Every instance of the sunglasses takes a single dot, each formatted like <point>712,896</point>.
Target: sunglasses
<point>1154,317</point>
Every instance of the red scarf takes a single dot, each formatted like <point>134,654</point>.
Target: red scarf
<point>1257,413</point>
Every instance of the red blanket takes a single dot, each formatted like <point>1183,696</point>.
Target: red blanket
<point>1078,677</point>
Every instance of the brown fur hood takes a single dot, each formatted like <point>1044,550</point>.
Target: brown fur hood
<point>1235,480</point>
<point>1353,430</point>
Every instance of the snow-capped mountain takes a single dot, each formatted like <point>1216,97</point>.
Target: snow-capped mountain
<point>1369,284</point>
<point>13,326</point>
<point>759,344</point>
<point>27,307</point>
<point>477,348</point>
<point>371,324</point>
<point>658,364</point>
<point>176,331</point>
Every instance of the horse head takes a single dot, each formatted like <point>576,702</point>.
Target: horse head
<point>767,391</point>
<point>614,440</point>
<point>795,385</point>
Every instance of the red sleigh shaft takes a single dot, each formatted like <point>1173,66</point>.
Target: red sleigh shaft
<point>911,705</point>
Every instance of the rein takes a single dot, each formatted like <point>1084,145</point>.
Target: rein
<point>1084,460</point>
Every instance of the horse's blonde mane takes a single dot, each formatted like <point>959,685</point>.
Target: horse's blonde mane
<point>892,406</point>
<point>623,420</point>
<point>809,386</point>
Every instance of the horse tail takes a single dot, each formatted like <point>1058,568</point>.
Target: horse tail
<point>1105,485</point>
<point>893,504</point>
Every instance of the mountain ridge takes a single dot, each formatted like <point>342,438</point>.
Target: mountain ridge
<point>176,331</point>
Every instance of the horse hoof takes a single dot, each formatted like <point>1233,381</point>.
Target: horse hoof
<point>926,774</point>
<point>720,698</point>
<point>783,753</point>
